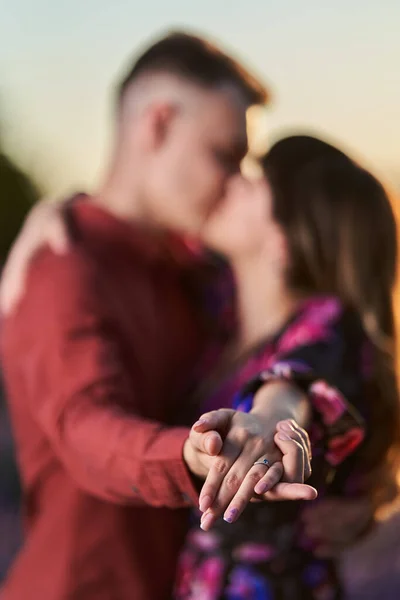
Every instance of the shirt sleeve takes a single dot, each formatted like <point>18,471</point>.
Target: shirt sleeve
<point>323,356</point>
<point>78,392</point>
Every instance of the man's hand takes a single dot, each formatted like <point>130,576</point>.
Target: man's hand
<point>233,479</point>
<point>199,450</point>
<point>44,225</point>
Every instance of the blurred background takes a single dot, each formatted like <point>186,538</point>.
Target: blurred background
<point>333,69</point>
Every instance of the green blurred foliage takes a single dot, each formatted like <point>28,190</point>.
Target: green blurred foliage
<point>17,195</point>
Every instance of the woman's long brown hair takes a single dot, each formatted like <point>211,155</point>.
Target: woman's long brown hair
<point>342,238</point>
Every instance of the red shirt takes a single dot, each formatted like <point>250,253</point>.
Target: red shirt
<point>95,359</point>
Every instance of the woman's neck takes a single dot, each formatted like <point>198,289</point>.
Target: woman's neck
<point>264,302</point>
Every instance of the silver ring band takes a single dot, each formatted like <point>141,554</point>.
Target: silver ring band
<point>264,462</point>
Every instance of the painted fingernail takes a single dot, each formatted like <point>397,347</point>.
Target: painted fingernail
<point>284,437</point>
<point>261,487</point>
<point>205,503</point>
<point>206,521</point>
<point>231,515</point>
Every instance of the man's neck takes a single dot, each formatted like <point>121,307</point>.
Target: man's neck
<point>119,193</point>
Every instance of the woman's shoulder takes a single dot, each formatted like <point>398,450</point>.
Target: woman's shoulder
<point>321,319</point>
<point>322,309</point>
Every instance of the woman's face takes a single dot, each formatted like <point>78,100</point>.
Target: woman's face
<point>242,225</point>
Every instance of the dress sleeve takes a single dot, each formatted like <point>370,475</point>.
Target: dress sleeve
<point>322,352</point>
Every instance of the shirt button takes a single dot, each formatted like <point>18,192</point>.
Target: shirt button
<point>135,489</point>
<point>186,499</point>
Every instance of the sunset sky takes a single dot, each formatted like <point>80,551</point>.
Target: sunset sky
<point>333,68</point>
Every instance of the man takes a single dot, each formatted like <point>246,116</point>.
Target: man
<point>103,344</point>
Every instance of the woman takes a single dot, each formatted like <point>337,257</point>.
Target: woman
<point>313,252</point>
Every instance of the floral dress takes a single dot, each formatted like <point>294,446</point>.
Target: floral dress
<point>265,555</point>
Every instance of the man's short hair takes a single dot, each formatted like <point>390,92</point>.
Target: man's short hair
<point>197,61</point>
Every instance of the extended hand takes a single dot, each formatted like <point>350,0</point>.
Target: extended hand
<point>233,479</point>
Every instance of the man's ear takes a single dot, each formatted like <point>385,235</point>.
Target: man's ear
<point>159,119</point>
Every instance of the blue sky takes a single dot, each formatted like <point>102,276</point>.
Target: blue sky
<point>333,68</point>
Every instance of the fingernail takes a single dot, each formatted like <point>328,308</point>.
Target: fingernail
<point>231,516</point>
<point>206,521</point>
<point>284,437</point>
<point>205,503</point>
<point>286,426</point>
<point>261,487</point>
<point>200,422</point>
<point>208,444</point>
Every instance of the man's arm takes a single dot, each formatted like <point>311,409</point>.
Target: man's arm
<point>78,393</point>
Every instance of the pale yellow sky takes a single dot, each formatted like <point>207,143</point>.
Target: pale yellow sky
<point>333,69</point>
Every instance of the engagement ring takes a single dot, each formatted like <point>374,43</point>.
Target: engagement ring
<point>264,462</point>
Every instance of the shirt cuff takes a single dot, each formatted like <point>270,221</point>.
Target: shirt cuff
<point>171,481</point>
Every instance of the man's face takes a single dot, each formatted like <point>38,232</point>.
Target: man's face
<point>204,146</point>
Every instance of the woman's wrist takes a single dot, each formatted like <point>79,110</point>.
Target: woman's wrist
<point>279,401</point>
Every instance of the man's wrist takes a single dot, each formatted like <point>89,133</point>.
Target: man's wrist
<point>193,464</point>
<point>189,457</point>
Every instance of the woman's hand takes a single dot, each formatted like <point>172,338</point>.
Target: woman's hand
<point>233,478</point>
<point>44,225</point>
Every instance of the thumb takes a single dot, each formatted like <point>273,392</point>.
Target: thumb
<point>207,433</point>
<point>209,442</point>
<point>218,420</point>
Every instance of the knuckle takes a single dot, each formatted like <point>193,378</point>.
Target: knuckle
<point>220,466</point>
<point>275,468</point>
<point>232,482</point>
<point>241,435</point>
<point>254,476</point>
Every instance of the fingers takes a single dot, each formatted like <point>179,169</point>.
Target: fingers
<point>288,425</point>
<point>259,477</point>
<point>270,479</point>
<point>291,491</point>
<point>233,483</point>
<point>297,434</point>
<point>244,494</point>
<point>293,457</point>
<point>219,420</point>
<point>209,442</point>
<point>219,469</point>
